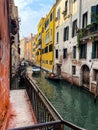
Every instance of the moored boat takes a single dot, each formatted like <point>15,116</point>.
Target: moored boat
<point>36,70</point>
<point>52,76</point>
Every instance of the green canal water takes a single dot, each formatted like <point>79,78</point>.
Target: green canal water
<point>73,103</point>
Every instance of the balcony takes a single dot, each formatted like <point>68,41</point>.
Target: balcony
<point>64,12</point>
<point>47,27</point>
<point>88,33</point>
<point>47,118</point>
<point>39,45</point>
<point>14,25</point>
<point>39,37</point>
<point>47,40</point>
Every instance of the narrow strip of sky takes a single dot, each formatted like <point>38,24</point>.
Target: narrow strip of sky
<point>30,13</point>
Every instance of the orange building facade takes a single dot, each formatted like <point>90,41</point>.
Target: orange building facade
<point>29,47</point>
<point>4,64</point>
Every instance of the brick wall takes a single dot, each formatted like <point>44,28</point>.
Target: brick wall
<point>4,65</point>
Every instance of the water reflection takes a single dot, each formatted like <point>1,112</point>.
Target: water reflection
<point>73,103</point>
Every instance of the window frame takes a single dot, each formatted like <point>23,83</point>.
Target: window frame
<point>74,52</point>
<point>66,34</point>
<point>83,51</point>
<point>56,53</point>
<point>65,53</point>
<point>74,28</point>
<point>85,15</point>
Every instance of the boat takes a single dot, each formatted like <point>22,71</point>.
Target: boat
<point>52,76</point>
<point>36,70</point>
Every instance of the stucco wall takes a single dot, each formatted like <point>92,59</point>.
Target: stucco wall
<point>76,10</point>
<point>4,65</point>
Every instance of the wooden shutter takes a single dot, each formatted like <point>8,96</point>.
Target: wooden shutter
<point>67,32</point>
<point>93,50</point>
<point>85,50</point>
<point>80,54</point>
<point>93,13</point>
<point>64,37</point>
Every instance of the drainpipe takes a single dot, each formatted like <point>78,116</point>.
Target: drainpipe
<point>80,13</point>
<point>53,44</point>
<point>80,25</point>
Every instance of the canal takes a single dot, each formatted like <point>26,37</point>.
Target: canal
<point>73,103</point>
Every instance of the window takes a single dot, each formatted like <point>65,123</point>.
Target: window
<point>50,48</point>
<point>46,23</point>
<point>95,50</point>
<point>57,37</point>
<point>47,38</point>
<point>66,33</point>
<point>51,17</point>
<point>95,73</point>
<point>83,51</point>
<point>46,61</point>
<point>56,53</point>
<point>51,35</point>
<point>74,51</point>
<point>64,53</point>
<point>42,29</point>
<point>94,14</point>
<point>73,70</point>
<point>84,24</point>
<point>58,13</point>
<point>50,62</point>
<point>43,51</point>
<point>37,53</point>
<point>74,0</point>
<point>74,28</point>
<point>46,49</point>
<point>66,6</point>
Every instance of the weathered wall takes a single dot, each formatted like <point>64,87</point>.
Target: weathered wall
<point>76,9</point>
<point>4,65</point>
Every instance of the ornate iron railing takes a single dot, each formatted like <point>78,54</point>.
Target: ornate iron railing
<point>90,31</point>
<point>47,116</point>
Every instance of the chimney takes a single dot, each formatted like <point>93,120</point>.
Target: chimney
<point>31,35</point>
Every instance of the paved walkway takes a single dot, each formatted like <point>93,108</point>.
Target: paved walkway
<point>21,110</point>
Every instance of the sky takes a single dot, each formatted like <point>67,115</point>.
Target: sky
<point>30,13</point>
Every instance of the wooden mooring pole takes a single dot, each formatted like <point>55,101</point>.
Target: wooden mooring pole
<point>96,92</point>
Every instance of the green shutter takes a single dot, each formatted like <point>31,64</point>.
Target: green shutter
<point>93,50</point>
<point>85,50</point>
<point>73,30</point>
<point>80,54</point>
<point>64,35</point>
<point>68,33</point>
<point>93,14</point>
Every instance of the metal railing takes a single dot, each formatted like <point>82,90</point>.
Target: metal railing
<point>47,116</point>
<point>89,31</point>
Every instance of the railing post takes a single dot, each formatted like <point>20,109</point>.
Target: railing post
<point>58,127</point>
<point>62,127</point>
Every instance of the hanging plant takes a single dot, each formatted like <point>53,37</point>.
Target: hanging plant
<point>92,37</point>
<point>81,33</point>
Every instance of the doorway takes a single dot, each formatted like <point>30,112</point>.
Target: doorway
<point>85,76</point>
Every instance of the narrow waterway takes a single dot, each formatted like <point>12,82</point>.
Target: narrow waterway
<point>73,103</point>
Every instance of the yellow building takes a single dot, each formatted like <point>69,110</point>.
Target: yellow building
<point>39,42</point>
<point>34,49</point>
<point>48,33</point>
